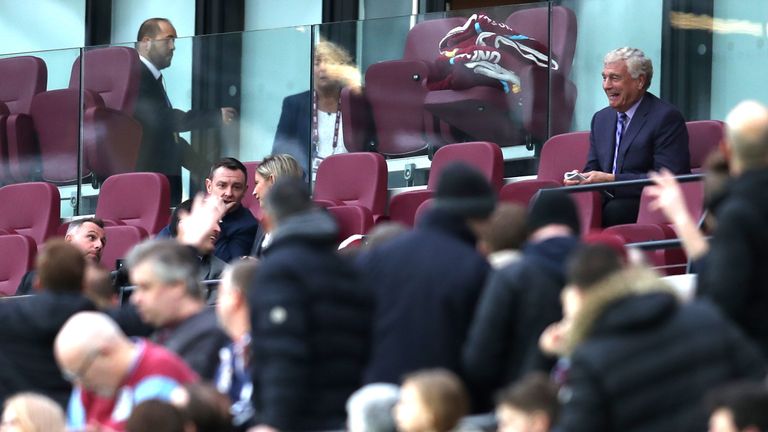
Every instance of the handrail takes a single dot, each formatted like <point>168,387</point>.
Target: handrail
<point>683,178</point>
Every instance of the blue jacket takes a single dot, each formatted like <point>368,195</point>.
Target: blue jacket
<point>238,230</point>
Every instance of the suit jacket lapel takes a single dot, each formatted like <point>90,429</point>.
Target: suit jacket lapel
<point>608,135</point>
<point>634,127</point>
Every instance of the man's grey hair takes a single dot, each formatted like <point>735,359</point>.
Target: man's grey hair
<point>637,63</point>
<point>369,409</point>
<point>171,262</point>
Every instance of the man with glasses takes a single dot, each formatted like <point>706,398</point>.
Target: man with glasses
<point>161,149</point>
<point>112,373</point>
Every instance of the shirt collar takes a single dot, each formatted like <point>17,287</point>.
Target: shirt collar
<point>631,111</point>
<point>152,68</point>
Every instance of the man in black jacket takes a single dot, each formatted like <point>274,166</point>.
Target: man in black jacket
<point>639,360</point>
<point>310,318</point>
<point>521,300</point>
<point>28,325</point>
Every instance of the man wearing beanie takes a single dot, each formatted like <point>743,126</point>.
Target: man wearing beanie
<point>426,282</point>
<point>521,300</point>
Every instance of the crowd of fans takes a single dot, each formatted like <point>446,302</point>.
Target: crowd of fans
<point>480,307</point>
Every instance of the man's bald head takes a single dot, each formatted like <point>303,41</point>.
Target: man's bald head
<point>86,330</point>
<point>748,136</point>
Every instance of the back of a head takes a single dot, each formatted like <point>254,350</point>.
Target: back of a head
<point>289,196</point>
<point>156,416</point>
<point>748,134</point>
<point>242,273</point>
<point>204,406</point>
<point>506,228</point>
<point>98,287</point>
<point>61,267</point>
<point>369,409</point>
<point>464,191</point>
<point>35,413</point>
<point>534,392</point>
<point>85,330</point>
<point>553,207</point>
<point>443,393</point>
<point>590,264</point>
<point>173,225</point>
<point>170,261</point>
<point>746,401</point>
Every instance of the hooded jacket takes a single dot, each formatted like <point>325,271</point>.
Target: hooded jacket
<point>310,325</point>
<point>642,362</point>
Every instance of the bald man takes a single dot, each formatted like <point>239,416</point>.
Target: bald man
<point>112,373</point>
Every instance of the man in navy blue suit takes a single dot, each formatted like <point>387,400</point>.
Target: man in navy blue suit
<point>635,134</point>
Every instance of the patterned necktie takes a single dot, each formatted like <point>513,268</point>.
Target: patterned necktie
<point>620,127</point>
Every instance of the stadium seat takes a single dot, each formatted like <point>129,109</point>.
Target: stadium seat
<point>23,78</point>
<point>120,240</point>
<point>352,220</point>
<point>484,156</point>
<point>138,199</point>
<point>353,179</point>
<point>32,209</point>
<point>704,136</point>
<point>18,252</point>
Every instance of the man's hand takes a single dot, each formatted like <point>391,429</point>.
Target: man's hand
<point>228,114</point>
<point>197,225</point>
<point>597,177</point>
<point>668,197</point>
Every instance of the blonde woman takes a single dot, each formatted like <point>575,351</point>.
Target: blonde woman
<point>310,127</point>
<point>269,170</point>
<point>30,412</point>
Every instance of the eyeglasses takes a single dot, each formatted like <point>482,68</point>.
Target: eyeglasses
<point>83,369</point>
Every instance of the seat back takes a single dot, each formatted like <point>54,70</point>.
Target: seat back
<point>693,193</point>
<point>562,153</point>
<point>635,233</point>
<point>532,22</point>
<point>18,252</point>
<point>521,192</point>
<point>114,73</point>
<point>120,240</point>
<point>704,136</point>
<point>483,155</point>
<point>32,209</point>
<point>249,201</point>
<point>354,179</point>
<point>23,78</point>
<point>422,42</point>
<point>138,199</point>
<point>352,220</point>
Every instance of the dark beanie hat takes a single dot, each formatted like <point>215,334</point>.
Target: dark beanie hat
<point>553,207</point>
<point>464,191</point>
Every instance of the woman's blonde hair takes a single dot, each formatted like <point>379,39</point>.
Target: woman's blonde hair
<point>332,53</point>
<point>36,413</point>
<point>279,165</point>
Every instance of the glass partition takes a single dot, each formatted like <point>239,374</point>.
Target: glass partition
<point>402,97</point>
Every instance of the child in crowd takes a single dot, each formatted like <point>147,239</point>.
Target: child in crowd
<point>529,405</point>
<point>431,401</point>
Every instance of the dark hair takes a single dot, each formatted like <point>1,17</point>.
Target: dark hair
<point>61,266</point>
<point>173,225</point>
<point>590,264</point>
<point>77,223</point>
<point>150,28</point>
<point>534,392</point>
<point>230,164</point>
<point>207,408</point>
<point>747,402</point>
<point>155,415</point>
<point>288,196</point>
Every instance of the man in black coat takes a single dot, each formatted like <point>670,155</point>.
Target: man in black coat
<point>639,360</point>
<point>161,148</point>
<point>28,325</point>
<point>310,318</point>
<point>426,282</point>
<point>521,300</point>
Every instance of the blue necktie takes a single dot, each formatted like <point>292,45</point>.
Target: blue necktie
<point>620,127</point>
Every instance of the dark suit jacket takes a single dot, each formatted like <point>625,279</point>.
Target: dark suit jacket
<point>656,138</point>
<point>293,135</point>
<point>159,150</point>
<point>238,230</point>
<point>28,327</point>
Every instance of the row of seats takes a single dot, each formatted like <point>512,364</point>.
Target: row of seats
<point>39,129</point>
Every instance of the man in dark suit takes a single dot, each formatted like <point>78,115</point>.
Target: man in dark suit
<point>636,133</point>
<point>161,149</point>
<point>28,325</point>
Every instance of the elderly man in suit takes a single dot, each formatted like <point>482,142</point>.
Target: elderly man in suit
<point>636,133</point>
